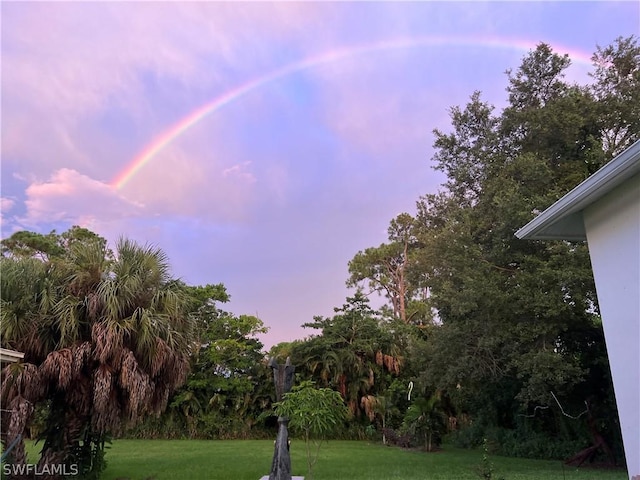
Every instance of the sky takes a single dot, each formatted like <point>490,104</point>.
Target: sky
<point>260,145</point>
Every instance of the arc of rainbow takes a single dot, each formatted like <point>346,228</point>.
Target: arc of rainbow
<point>180,127</point>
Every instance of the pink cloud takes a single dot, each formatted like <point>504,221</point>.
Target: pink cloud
<point>6,204</point>
<point>240,171</point>
<point>75,198</point>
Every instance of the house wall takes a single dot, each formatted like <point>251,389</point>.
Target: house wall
<point>612,225</point>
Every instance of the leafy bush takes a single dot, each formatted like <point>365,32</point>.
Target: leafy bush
<point>517,442</point>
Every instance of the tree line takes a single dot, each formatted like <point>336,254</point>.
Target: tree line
<point>484,338</point>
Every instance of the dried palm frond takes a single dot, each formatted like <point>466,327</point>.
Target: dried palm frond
<point>80,396</point>
<point>74,427</point>
<point>140,399</point>
<point>128,366</point>
<point>58,367</point>
<point>32,342</point>
<point>379,358</point>
<point>139,388</point>
<point>93,304</point>
<point>369,403</point>
<point>342,385</point>
<point>22,379</point>
<point>81,355</point>
<point>50,456</point>
<point>159,398</point>
<point>34,387</point>
<point>392,363</point>
<point>353,407</point>
<point>102,388</point>
<point>10,386</point>
<point>108,419</point>
<point>161,357</point>
<point>108,339</point>
<point>176,371</point>
<point>21,412</point>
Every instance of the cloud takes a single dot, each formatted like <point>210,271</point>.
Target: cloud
<point>6,204</point>
<point>240,171</point>
<point>69,196</point>
<point>202,175</point>
<point>69,68</point>
<point>121,42</point>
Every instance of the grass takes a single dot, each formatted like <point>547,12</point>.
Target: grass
<point>348,460</point>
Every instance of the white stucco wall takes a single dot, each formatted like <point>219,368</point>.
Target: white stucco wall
<point>612,226</point>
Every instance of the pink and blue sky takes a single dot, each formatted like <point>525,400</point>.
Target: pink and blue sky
<point>260,145</point>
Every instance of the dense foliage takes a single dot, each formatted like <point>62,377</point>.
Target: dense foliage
<point>517,340</point>
<point>501,337</point>
<point>230,385</point>
<point>106,339</point>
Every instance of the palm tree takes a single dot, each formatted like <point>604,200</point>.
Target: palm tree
<point>425,417</point>
<point>106,340</point>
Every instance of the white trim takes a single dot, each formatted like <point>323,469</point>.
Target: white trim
<point>7,355</point>
<point>563,219</point>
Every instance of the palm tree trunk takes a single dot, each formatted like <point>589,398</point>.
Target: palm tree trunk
<point>21,412</point>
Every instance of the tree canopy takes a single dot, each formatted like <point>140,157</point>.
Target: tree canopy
<point>106,339</point>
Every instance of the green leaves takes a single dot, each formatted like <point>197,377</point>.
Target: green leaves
<point>518,316</point>
<point>108,336</point>
<point>617,91</point>
<point>387,269</point>
<point>313,412</point>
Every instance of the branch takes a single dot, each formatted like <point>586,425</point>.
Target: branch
<point>497,267</point>
<point>534,411</point>
<point>565,413</point>
<point>541,407</point>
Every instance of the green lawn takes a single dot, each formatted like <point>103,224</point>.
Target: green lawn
<point>249,460</point>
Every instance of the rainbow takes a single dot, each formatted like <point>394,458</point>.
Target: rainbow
<point>180,127</point>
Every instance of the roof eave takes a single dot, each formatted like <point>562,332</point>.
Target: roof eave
<point>563,219</point>
<point>7,355</point>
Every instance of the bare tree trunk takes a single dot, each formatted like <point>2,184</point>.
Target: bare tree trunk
<point>21,412</point>
<point>598,443</point>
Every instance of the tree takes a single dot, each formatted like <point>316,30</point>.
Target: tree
<point>229,385</point>
<point>229,375</point>
<point>315,413</point>
<point>106,340</point>
<point>354,354</point>
<point>386,269</point>
<point>25,244</point>
<point>520,320</point>
<point>617,91</point>
<point>426,419</point>
<point>464,156</point>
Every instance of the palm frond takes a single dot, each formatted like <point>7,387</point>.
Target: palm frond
<point>102,389</point>
<point>58,368</point>
<point>68,313</point>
